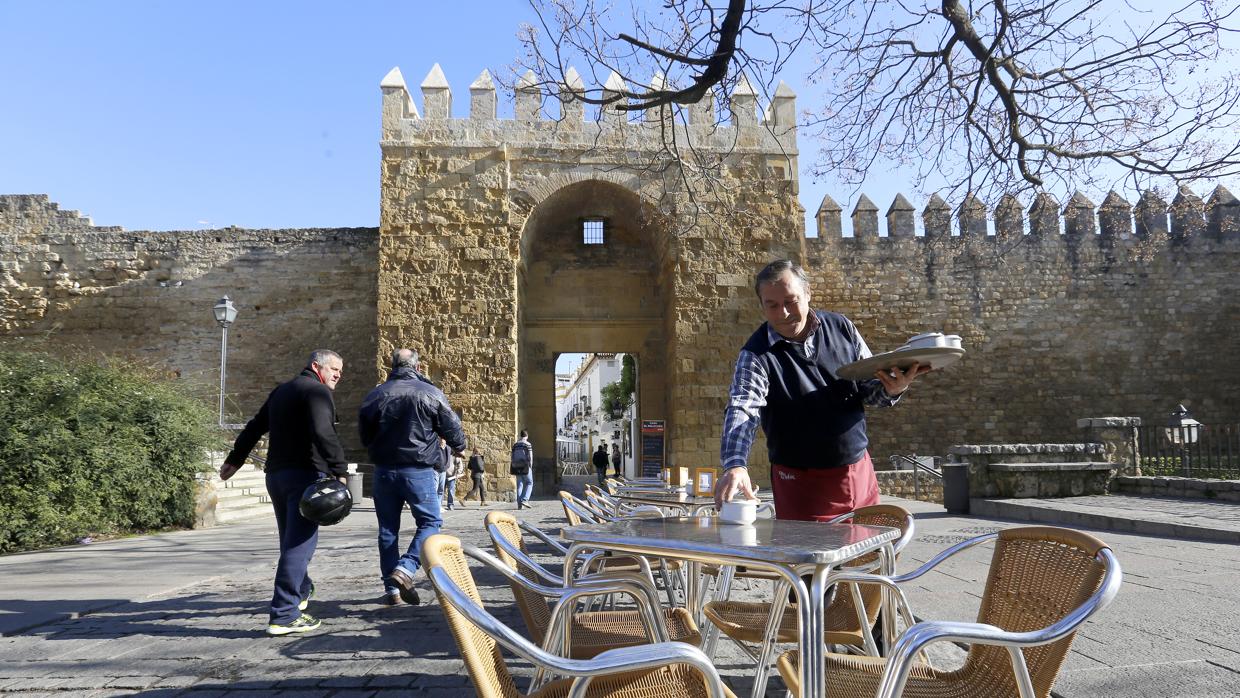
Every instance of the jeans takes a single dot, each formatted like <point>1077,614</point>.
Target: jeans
<point>298,539</point>
<point>442,479</point>
<point>602,474</point>
<point>525,487</point>
<point>394,488</point>
<point>447,489</point>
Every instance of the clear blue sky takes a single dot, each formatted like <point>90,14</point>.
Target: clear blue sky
<point>167,115</point>
<point>176,115</point>
<point>183,115</point>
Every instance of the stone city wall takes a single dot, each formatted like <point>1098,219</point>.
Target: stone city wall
<point>1064,311</point>
<point>147,296</point>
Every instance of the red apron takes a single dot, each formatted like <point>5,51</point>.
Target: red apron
<point>823,494</point>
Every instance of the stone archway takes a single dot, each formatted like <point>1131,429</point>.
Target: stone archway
<point>577,297</point>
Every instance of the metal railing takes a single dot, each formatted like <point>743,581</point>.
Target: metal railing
<point>916,463</point>
<point>1198,450</point>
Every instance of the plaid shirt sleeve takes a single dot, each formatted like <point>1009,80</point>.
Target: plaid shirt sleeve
<point>741,417</point>
<point>872,390</point>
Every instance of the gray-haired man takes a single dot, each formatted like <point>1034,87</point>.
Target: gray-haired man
<point>301,417</point>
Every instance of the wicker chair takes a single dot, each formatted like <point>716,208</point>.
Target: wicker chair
<point>848,618</point>
<point>578,511</point>
<point>591,632</point>
<point>662,670</point>
<point>1043,584</point>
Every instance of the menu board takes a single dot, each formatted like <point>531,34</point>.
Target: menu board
<point>652,447</point>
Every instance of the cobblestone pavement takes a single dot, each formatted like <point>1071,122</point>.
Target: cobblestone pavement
<point>207,639</point>
<point>1171,631</point>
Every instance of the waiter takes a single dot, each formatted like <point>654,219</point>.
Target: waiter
<point>814,421</point>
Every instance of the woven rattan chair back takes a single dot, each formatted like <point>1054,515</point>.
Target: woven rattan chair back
<point>1038,575</point>
<point>480,651</point>
<point>842,611</point>
<point>578,511</point>
<point>570,513</point>
<point>533,606</point>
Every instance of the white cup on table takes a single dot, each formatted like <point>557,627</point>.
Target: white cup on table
<point>739,512</point>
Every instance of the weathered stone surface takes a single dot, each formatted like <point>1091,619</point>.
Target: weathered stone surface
<point>146,296</point>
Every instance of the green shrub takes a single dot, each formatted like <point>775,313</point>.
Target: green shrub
<point>91,448</point>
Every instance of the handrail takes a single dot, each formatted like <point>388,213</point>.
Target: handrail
<point>917,465</point>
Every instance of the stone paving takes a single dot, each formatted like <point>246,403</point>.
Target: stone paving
<point>1193,519</point>
<point>1171,631</point>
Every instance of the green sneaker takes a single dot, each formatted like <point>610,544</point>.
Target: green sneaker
<point>304,624</point>
<point>305,603</point>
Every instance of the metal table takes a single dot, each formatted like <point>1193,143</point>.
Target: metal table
<point>787,548</point>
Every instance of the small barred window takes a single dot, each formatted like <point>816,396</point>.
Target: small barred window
<point>592,231</point>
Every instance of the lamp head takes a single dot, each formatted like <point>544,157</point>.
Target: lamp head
<point>225,312</point>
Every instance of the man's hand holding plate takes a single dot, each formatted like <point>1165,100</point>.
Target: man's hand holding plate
<point>895,380</point>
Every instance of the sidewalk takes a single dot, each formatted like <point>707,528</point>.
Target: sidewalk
<point>183,614</point>
<point>1191,519</point>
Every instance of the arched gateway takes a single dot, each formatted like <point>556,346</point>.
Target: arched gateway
<point>506,242</point>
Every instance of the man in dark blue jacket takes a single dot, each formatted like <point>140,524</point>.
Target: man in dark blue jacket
<point>301,418</point>
<point>401,422</point>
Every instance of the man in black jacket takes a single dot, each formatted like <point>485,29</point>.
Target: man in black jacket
<point>401,423</point>
<point>301,418</point>
<point>600,463</point>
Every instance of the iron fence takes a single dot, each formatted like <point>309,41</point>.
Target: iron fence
<point>1198,450</point>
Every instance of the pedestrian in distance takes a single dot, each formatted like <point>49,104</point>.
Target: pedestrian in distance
<point>521,465</point>
<point>401,423</point>
<point>456,470</point>
<point>477,473</point>
<point>300,418</point>
<point>600,463</point>
<point>445,464</point>
<point>617,461</point>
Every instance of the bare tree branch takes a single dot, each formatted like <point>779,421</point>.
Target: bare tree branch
<point>1001,95</point>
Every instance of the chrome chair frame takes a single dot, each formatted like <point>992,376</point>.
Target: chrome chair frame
<point>613,661</point>
<point>918,636</point>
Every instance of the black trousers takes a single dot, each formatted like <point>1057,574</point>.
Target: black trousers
<point>478,487</point>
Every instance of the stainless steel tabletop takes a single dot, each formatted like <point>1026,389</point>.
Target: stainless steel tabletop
<point>792,543</point>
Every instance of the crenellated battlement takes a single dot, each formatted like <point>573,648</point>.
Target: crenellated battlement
<point>749,129</point>
<point>40,206</point>
<point>1077,222</point>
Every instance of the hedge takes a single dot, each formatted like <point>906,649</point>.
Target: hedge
<point>94,448</point>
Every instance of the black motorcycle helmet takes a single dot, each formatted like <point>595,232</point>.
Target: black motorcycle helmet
<point>326,502</point>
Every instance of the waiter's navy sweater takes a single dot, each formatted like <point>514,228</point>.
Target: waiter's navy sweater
<point>812,418</point>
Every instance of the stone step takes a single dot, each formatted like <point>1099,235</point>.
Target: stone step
<point>247,512</point>
<point>232,495</point>
<point>243,475</point>
<point>1034,467</point>
<point>242,497</point>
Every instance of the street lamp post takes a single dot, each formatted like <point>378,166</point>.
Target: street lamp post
<point>1183,431</point>
<point>225,313</point>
